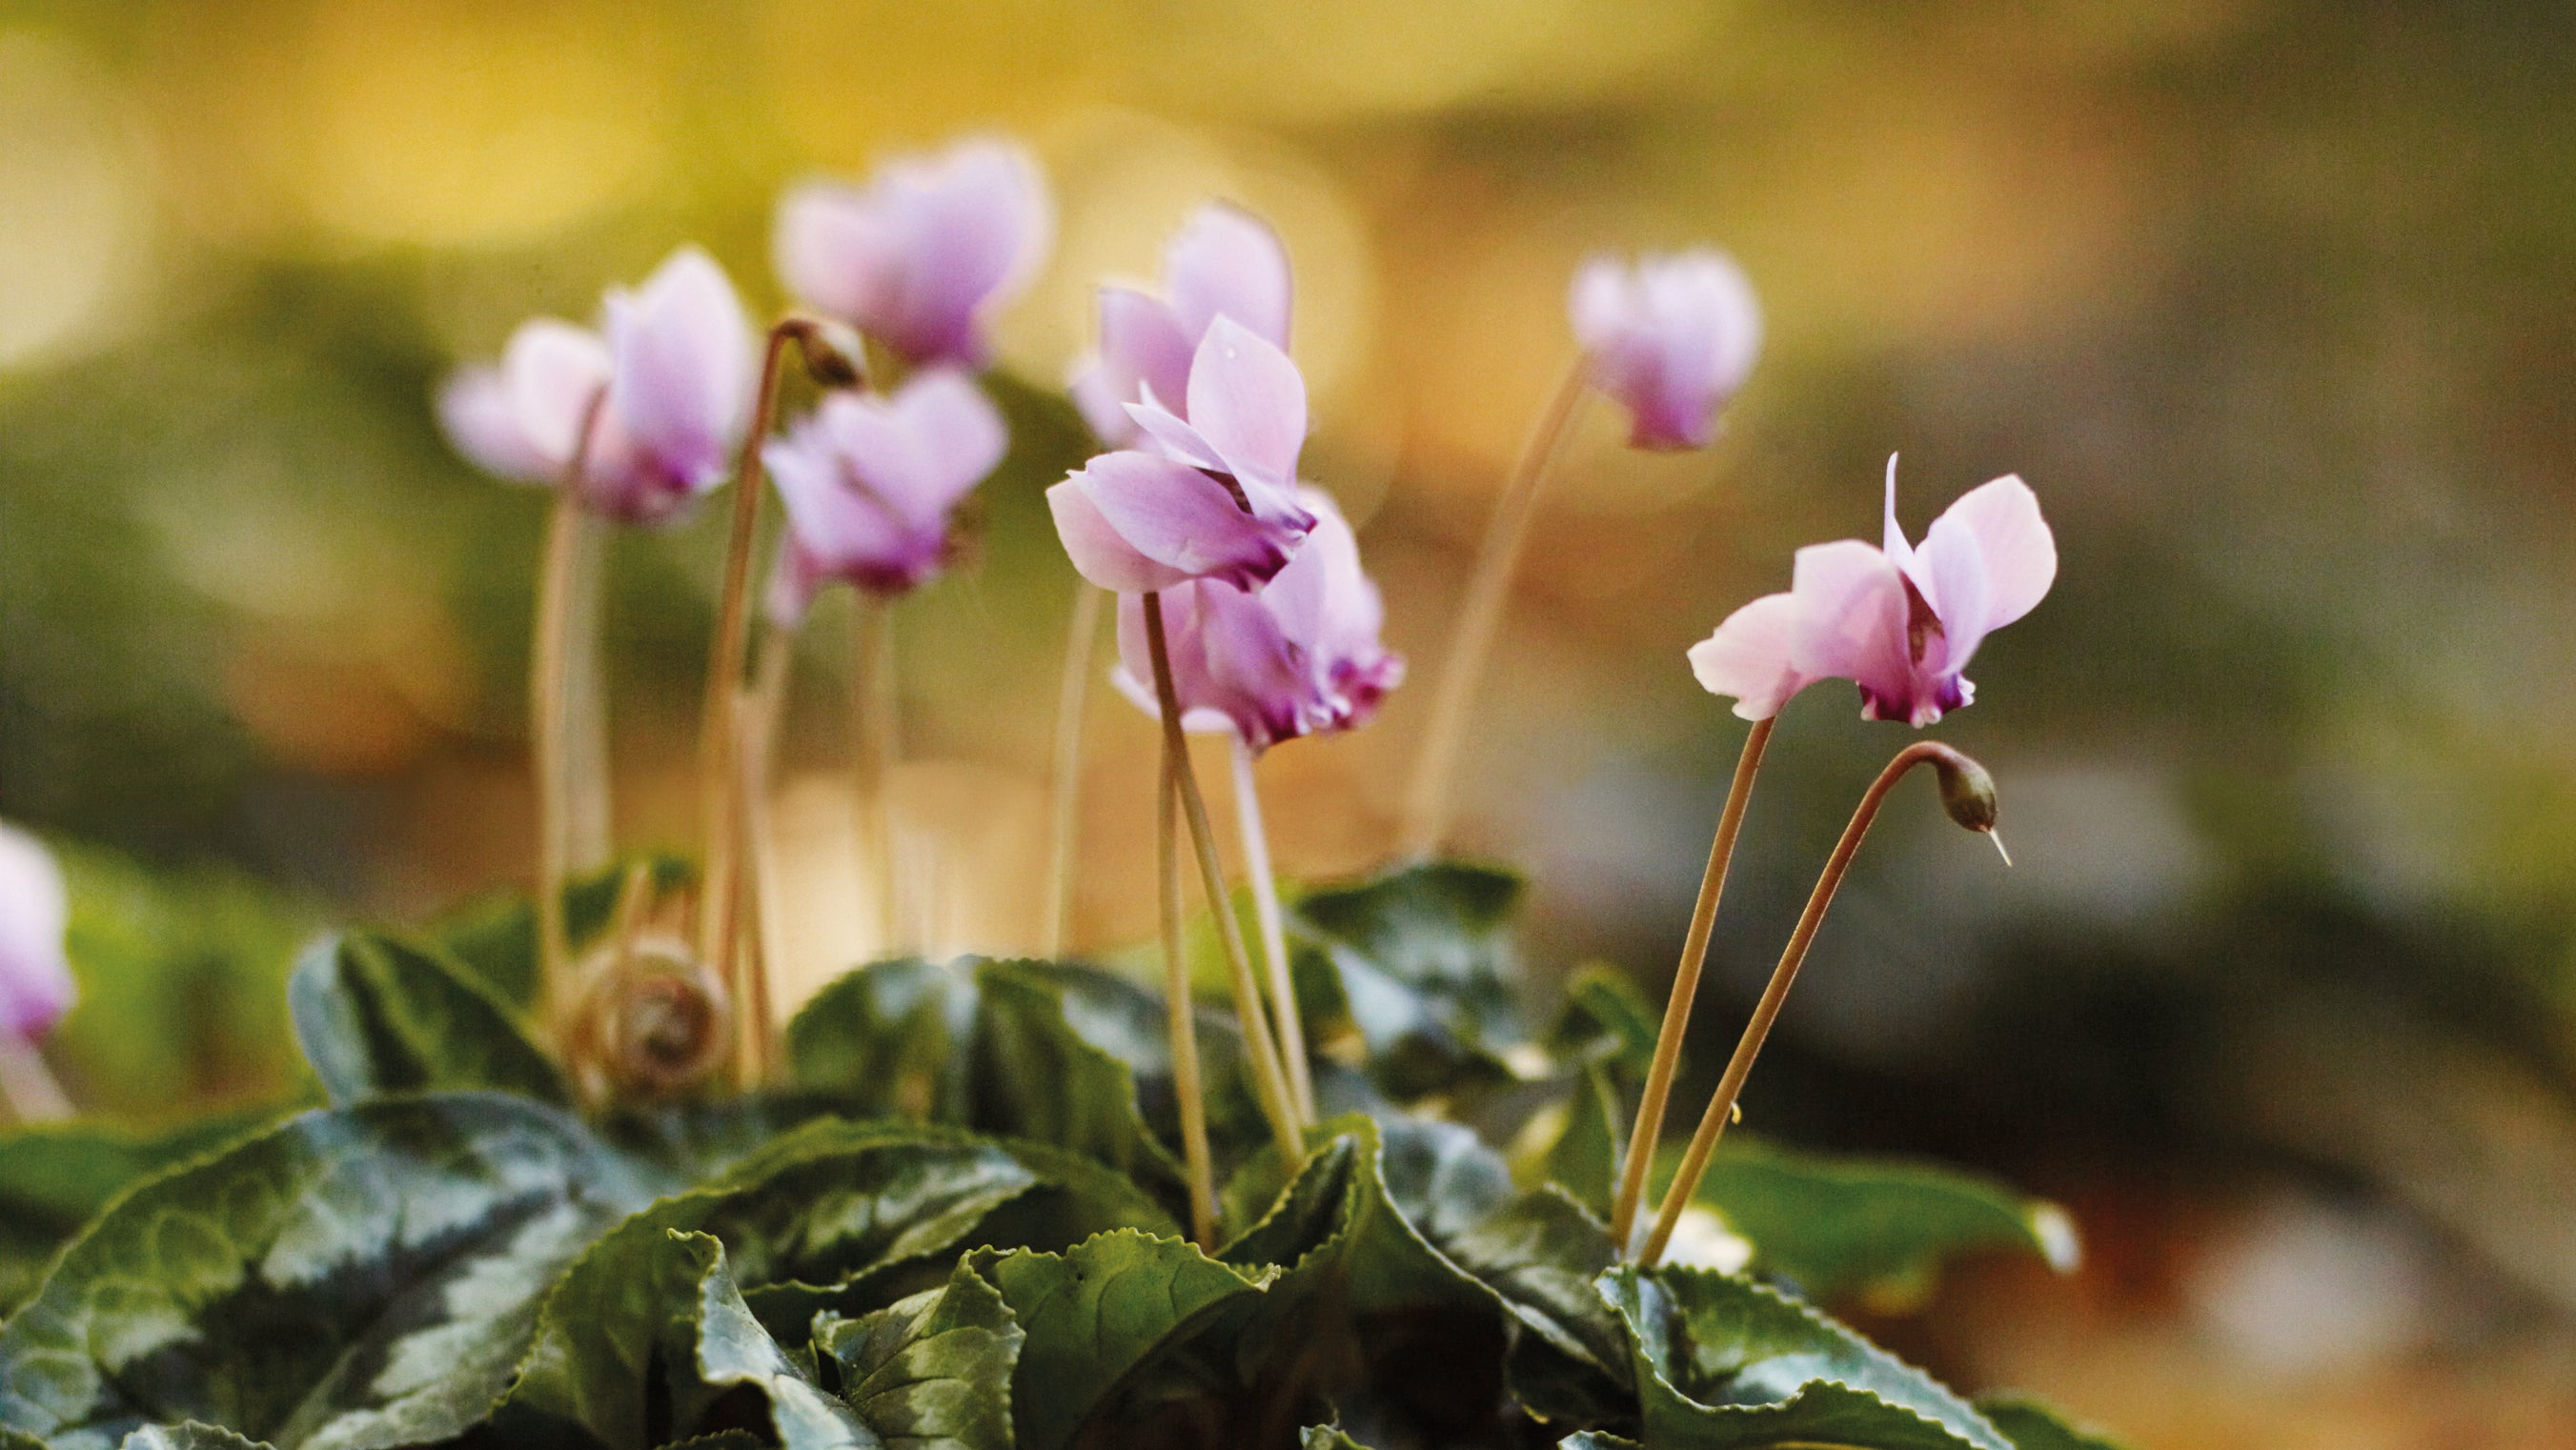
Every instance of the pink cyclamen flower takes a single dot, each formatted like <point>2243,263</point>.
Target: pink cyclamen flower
<point>920,256</point>
<point>35,977</point>
<point>671,379</point>
<point>1900,620</point>
<point>1224,263</point>
<point>1298,656</point>
<point>1210,497</point>
<point>869,484</point>
<point>1671,338</point>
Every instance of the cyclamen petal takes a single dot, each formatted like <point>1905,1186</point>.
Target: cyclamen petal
<point>683,363</point>
<point>1223,263</point>
<point>921,256</point>
<point>36,986</point>
<point>1900,621</point>
<point>1672,339</point>
<point>1176,519</point>
<point>1248,401</point>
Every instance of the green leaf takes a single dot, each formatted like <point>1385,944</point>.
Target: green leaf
<point>695,1140</point>
<point>1426,964</point>
<point>1132,1025</point>
<point>1606,1018</point>
<point>497,939</point>
<point>1723,1362</point>
<point>1326,1437</point>
<point>932,1372</point>
<point>1035,1077</point>
<point>833,1201</point>
<point>734,1349</point>
<point>2030,1425</point>
<point>357,1277</point>
<point>377,1016</point>
<point>1596,1440</point>
<point>56,1177</point>
<point>1096,1313</point>
<point>1541,1254</point>
<point>889,1039</point>
<point>1879,1227</point>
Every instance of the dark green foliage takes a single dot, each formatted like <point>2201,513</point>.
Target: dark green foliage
<point>956,1229</point>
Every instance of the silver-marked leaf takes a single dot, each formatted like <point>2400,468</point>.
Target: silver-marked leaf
<point>188,1435</point>
<point>56,1177</point>
<point>377,1016</point>
<point>496,940</point>
<point>831,1202</point>
<point>733,1349</point>
<point>932,1372</point>
<point>889,1038</point>
<point>1541,1254</point>
<point>1723,1363</point>
<point>1096,1313</point>
<point>1425,962</point>
<point>353,1278</point>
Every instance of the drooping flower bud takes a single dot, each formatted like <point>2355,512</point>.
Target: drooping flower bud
<point>1967,790</point>
<point>36,986</point>
<point>834,354</point>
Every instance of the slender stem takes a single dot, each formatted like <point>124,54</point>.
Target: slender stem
<point>28,1092</point>
<point>1274,933</point>
<point>1428,800</point>
<point>876,743</point>
<point>588,825</point>
<point>1269,1079</point>
<point>1677,1008</point>
<point>549,685</point>
<point>763,704</point>
<point>718,778</point>
<point>1177,1002</point>
<point>1721,1104</point>
<point>1081,639</point>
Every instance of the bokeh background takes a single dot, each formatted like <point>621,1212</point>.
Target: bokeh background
<point>2270,300</point>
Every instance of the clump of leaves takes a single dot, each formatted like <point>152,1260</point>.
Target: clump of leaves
<point>956,1225</point>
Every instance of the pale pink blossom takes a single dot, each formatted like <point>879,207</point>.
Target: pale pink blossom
<point>35,976</point>
<point>921,256</point>
<point>1209,496</point>
<point>1224,262</point>
<point>869,484</point>
<point>1900,620</point>
<point>1297,656</point>
<point>1671,338</point>
<point>667,385</point>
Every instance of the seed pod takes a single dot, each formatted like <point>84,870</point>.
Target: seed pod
<point>833,352</point>
<point>1967,791</point>
<point>654,1021</point>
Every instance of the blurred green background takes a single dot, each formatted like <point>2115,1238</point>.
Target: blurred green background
<point>2270,301</point>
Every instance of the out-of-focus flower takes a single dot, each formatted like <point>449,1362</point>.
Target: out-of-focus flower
<point>1215,497</point>
<point>1224,262</point>
<point>1671,338</point>
<point>921,255</point>
<point>35,977</point>
<point>1898,620</point>
<point>869,484</point>
<point>671,382</point>
<point>1298,656</point>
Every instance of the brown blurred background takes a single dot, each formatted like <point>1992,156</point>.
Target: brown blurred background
<point>2270,301</point>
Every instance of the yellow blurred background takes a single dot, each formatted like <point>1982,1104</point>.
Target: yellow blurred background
<point>2269,300</point>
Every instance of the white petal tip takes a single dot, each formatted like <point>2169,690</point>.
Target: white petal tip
<point>2055,1231</point>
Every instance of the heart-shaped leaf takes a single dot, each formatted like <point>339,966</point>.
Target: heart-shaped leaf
<point>889,1039</point>
<point>377,1016</point>
<point>358,1277</point>
<point>1723,1363</point>
<point>1037,1078</point>
<point>56,1177</point>
<point>1095,1314</point>
<point>1879,1227</point>
<point>932,1372</point>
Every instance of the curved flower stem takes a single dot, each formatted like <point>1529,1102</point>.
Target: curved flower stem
<point>1259,1046</point>
<point>876,725</point>
<point>1186,1080</point>
<point>588,829</point>
<point>550,676</point>
<point>1721,1104</point>
<point>717,750</point>
<point>1428,799</point>
<point>1081,639</point>
<point>1274,932</point>
<point>1677,1008</point>
<point>28,1091</point>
